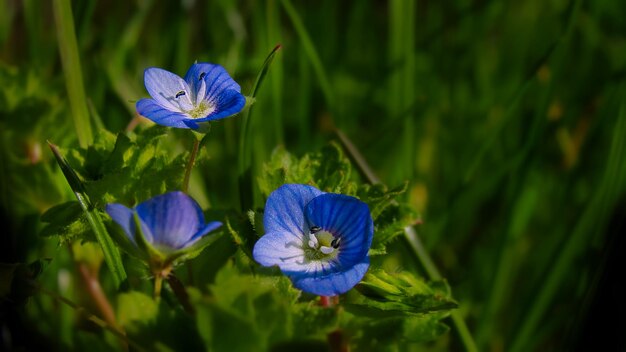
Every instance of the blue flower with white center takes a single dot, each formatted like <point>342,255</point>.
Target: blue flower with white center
<point>206,93</point>
<point>163,228</point>
<point>319,240</point>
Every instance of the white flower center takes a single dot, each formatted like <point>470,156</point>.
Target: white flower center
<point>322,244</point>
<point>194,105</point>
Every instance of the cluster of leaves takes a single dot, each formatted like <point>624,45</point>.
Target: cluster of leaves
<point>400,304</point>
<point>245,312</point>
<point>126,168</point>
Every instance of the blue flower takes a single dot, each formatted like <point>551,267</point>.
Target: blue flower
<point>319,240</point>
<point>170,224</point>
<point>207,93</point>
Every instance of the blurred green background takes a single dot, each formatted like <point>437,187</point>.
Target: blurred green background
<point>508,119</point>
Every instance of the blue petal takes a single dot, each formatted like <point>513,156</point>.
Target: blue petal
<point>228,103</point>
<point>124,217</point>
<point>173,218</point>
<point>331,284</point>
<point>164,87</point>
<point>346,217</point>
<point>279,248</point>
<point>284,209</point>
<point>215,77</point>
<point>149,108</point>
<point>213,225</point>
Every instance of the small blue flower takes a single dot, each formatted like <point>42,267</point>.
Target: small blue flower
<point>319,240</point>
<point>207,93</point>
<point>171,224</point>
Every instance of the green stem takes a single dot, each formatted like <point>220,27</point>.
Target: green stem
<point>158,284</point>
<point>412,238</point>
<point>245,163</point>
<point>190,163</point>
<point>68,49</point>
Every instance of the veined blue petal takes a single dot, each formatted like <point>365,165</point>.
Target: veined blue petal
<point>228,103</point>
<point>213,225</point>
<point>150,109</point>
<point>346,217</point>
<point>168,90</point>
<point>124,217</point>
<point>330,283</point>
<point>279,248</point>
<point>218,80</point>
<point>197,74</point>
<point>284,209</point>
<point>173,218</point>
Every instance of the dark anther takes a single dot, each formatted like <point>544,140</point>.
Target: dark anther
<point>335,243</point>
<point>202,76</point>
<point>180,94</point>
<point>315,229</point>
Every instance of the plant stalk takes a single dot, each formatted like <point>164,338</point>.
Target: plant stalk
<point>190,163</point>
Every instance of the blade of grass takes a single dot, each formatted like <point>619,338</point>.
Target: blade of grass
<point>592,221</point>
<point>111,253</point>
<point>314,57</point>
<point>68,49</point>
<point>276,76</point>
<point>245,177</point>
<point>401,93</point>
<point>412,237</point>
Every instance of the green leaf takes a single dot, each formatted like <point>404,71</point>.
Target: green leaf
<point>400,306</point>
<point>401,293</point>
<point>156,326</point>
<point>136,309</point>
<point>329,170</point>
<point>268,309</point>
<point>66,221</point>
<point>111,253</point>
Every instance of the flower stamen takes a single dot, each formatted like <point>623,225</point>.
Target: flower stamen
<point>321,243</point>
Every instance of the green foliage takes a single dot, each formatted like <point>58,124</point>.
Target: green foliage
<point>111,253</point>
<point>267,309</point>
<point>66,221</point>
<point>512,151</point>
<point>125,169</point>
<point>128,168</point>
<point>398,307</point>
<point>329,170</point>
<point>143,319</point>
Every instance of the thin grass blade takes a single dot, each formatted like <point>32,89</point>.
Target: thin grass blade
<point>111,253</point>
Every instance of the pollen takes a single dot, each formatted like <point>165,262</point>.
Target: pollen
<point>201,110</point>
<point>321,245</point>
